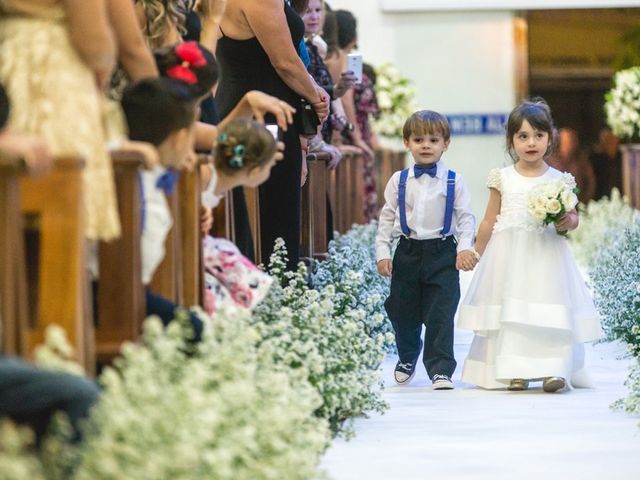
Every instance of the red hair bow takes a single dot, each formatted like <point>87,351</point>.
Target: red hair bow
<point>190,53</point>
<point>178,72</point>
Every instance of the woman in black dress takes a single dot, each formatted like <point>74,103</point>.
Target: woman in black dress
<point>258,51</point>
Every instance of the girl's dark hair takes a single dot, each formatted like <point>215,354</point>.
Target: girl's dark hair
<point>157,107</point>
<point>202,77</point>
<point>4,107</point>
<point>300,6</point>
<point>370,72</point>
<point>243,143</point>
<point>347,27</point>
<point>330,31</point>
<point>537,112</point>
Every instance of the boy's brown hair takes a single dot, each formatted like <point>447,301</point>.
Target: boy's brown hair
<point>426,122</point>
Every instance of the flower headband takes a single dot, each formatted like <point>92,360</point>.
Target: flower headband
<point>237,160</point>
<point>191,56</point>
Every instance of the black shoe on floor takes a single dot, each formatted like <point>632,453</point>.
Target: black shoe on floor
<point>404,372</point>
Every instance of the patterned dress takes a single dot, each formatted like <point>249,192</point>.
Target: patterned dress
<point>366,106</point>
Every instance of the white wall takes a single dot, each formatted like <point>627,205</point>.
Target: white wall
<point>461,62</point>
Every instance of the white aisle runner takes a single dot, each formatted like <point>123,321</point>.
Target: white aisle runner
<point>469,433</point>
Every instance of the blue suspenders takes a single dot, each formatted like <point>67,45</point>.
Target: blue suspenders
<point>448,209</point>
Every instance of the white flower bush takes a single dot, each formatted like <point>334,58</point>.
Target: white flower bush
<point>17,458</point>
<point>351,269</point>
<point>615,274</point>
<point>317,333</point>
<point>631,404</point>
<point>622,106</point>
<point>600,221</point>
<point>395,95</point>
<point>210,411</point>
<point>172,409</point>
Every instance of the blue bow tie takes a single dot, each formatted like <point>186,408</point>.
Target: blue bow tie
<point>167,181</point>
<point>419,170</point>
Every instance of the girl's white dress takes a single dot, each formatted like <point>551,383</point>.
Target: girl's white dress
<point>528,304</point>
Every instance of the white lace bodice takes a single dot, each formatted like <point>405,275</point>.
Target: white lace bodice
<point>514,189</point>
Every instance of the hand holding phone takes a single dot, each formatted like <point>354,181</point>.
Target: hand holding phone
<point>274,129</point>
<point>354,64</point>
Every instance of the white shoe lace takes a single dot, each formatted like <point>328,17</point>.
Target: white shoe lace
<point>406,366</point>
<point>439,377</point>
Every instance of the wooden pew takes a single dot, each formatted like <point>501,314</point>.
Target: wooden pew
<point>58,264</point>
<point>121,298</point>
<point>314,213</point>
<point>346,190</point>
<point>13,288</point>
<point>387,162</point>
<point>179,277</point>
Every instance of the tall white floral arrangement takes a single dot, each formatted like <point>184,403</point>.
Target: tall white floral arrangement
<point>622,105</point>
<point>395,94</point>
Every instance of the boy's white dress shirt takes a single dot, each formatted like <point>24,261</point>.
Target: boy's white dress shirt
<point>157,222</point>
<point>425,200</point>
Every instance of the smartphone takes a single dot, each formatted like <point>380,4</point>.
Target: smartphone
<point>354,64</point>
<point>274,129</point>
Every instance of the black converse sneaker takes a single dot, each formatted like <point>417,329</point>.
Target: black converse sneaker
<point>442,382</point>
<point>404,372</point>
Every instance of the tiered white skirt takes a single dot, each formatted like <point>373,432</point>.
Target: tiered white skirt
<point>530,309</point>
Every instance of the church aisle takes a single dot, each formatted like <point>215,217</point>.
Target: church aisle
<point>469,433</point>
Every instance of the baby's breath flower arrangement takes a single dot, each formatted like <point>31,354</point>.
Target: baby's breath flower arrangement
<point>599,221</point>
<point>395,94</point>
<point>17,458</point>
<point>210,411</point>
<point>351,269</point>
<point>327,341</point>
<point>622,105</point>
<point>615,274</point>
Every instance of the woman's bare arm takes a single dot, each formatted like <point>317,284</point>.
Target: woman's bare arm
<point>91,35</point>
<point>133,52</point>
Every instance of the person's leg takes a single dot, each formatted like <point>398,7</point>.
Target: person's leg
<point>30,395</point>
<point>280,202</point>
<point>403,303</point>
<point>440,297</point>
<point>166,310</point>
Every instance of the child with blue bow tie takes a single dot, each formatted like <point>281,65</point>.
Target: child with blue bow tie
<point>427,206</point>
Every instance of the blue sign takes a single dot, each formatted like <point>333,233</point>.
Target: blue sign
<point>478,124</point>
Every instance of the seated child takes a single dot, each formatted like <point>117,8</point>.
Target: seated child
<point>244,155</point>
<point>162,112</point>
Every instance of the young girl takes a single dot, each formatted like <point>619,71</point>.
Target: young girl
<point>527,303</point>
<point>244,155</point>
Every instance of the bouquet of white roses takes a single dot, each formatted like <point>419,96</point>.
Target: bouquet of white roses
<point>622,105</point>
<point>395,95</point>
<point>549,201</point>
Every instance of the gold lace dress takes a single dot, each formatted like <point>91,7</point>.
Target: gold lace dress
<point>54,95</point>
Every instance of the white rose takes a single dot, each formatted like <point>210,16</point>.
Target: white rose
<point>569,199</point>
<point>540,203</point>
<point>553,206</point>
<point>384,101</point>
<point>539,214</point>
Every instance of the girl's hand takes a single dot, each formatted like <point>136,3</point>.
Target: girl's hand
<point>261,104</point>
<point>385,267</point>
<point>569,221</point>
<point>336,156</point>
<point>206,219</point>
<point>346,82</point>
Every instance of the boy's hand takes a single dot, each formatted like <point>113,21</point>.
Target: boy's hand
<point>384,267</point>
<point>466,260</point>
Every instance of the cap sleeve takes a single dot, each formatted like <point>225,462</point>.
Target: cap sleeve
<point>495,179</point>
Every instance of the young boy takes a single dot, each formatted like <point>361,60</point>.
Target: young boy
<point>161,112</point>
<point>425,205</point>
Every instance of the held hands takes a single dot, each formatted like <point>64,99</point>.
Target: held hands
<point>466,260</point>
<point>385,267</point>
